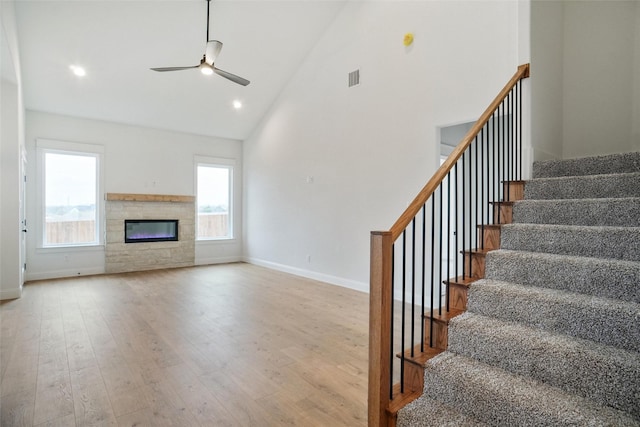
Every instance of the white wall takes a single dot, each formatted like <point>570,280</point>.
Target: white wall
<point>136,160</point>
<point>600,68</point>
<point>11,143</point>
<point>585,77</point>
<point>329,163</point>
<point>10,280</point>
<point>547,35</point>
<point>636,84</point>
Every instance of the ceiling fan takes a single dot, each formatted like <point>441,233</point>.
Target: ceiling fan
<point>206,65</point>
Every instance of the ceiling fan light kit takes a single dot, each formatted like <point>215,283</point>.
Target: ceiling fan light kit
<point>205,68</point>
<point>206,65</point>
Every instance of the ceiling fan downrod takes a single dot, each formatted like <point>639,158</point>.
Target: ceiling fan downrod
<point>208,3</point>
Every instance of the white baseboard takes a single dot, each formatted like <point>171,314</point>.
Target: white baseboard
<point>11,294</point>
<point>539,155</point>
<point>218,260</point>
<point>57,274</point>
<point>327,278</point>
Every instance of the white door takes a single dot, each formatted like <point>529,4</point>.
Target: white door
<point>23,218</point>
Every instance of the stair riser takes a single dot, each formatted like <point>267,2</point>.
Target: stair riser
<point>618,163</point>
<point>554,360</point>
<point>589,187</point>
<point>609,324</point>
<point>502,213</point>
<point>436,413</point>
<point>513,190</point>
<point>601,278</point>
<point>588,212</point>
<point>413,377</point>
<point>440,334</point>
<point>498,399</point>
<point>474,264</point>
<point>458,296</point>
<point>596,242</point>
<point>489,235</point>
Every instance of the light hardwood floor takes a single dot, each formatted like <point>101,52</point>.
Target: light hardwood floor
<point>226,345</point>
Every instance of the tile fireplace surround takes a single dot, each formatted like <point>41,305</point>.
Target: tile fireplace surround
<point>122,257</point>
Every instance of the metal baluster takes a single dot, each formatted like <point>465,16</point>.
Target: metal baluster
<point>520,122</point>
<point>464,236</point>
<point>403,308</point>
<point>393,281</point>
<point>448,237</point>
<point>424,262</point>
<point>440,258</point>
<point>495,175</point>
<point>476,247</point>
<point>413,283</point>
<point>468,254</point>
<point>455,232</point>
<point>482,212</point>
<point>433,263</point>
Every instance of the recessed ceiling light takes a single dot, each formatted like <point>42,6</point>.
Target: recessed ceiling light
<point>237,104</point>
<point>78,71</point>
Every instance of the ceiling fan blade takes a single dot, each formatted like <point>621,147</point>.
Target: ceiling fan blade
<point>232,77</point>
<point>213,50</point>
<point>174,68</point>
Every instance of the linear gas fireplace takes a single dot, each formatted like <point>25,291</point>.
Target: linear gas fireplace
<point>150,230</point>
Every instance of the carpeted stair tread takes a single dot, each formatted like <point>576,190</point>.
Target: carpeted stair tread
<point>607,321</point>
<point>607,375</point>
<point>600,242</point>
<point>500,398</point>
<point>614,163</point>
<point>616,212</point>
<point>426,412</point>
<point>605,278</point>
<point>579,187</point>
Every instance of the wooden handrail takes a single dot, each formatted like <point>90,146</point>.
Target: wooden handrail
<point>426,192</point>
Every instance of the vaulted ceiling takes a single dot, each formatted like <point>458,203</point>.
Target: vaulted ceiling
<point>118,41</point>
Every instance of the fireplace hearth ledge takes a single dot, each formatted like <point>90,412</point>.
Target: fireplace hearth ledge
<point>130,197</point>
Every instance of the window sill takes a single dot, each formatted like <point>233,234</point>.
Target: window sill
<point>70,249</point>
<point>216,241</point>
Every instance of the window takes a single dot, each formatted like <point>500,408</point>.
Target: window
<point>214,188</point>
<point>71,206</point>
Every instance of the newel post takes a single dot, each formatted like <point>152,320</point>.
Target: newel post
<point>380,300</point>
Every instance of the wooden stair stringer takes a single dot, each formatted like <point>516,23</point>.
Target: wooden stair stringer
<point>414,380</point>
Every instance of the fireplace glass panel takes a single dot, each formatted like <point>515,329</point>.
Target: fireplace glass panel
<point>150,230</point>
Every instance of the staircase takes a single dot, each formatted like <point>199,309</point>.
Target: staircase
<point>551,335</point>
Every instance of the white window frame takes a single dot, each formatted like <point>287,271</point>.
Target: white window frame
<point>45,146</point>
<point>216,162</point>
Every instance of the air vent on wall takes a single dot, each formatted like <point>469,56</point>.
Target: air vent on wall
<point>354,78</point>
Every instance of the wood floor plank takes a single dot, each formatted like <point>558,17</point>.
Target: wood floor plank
<point>141,418</point>
<point>225,345</point>
<point>21,366</point>
<point>90,399</point>
<point>124,388</point>
<point>245,410</point>
<point>68,421</point>
<point>203,405</point>
<point>167,408</point>
<point>19,382</point>
<point>53,394</point>
<point>17,409</point>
